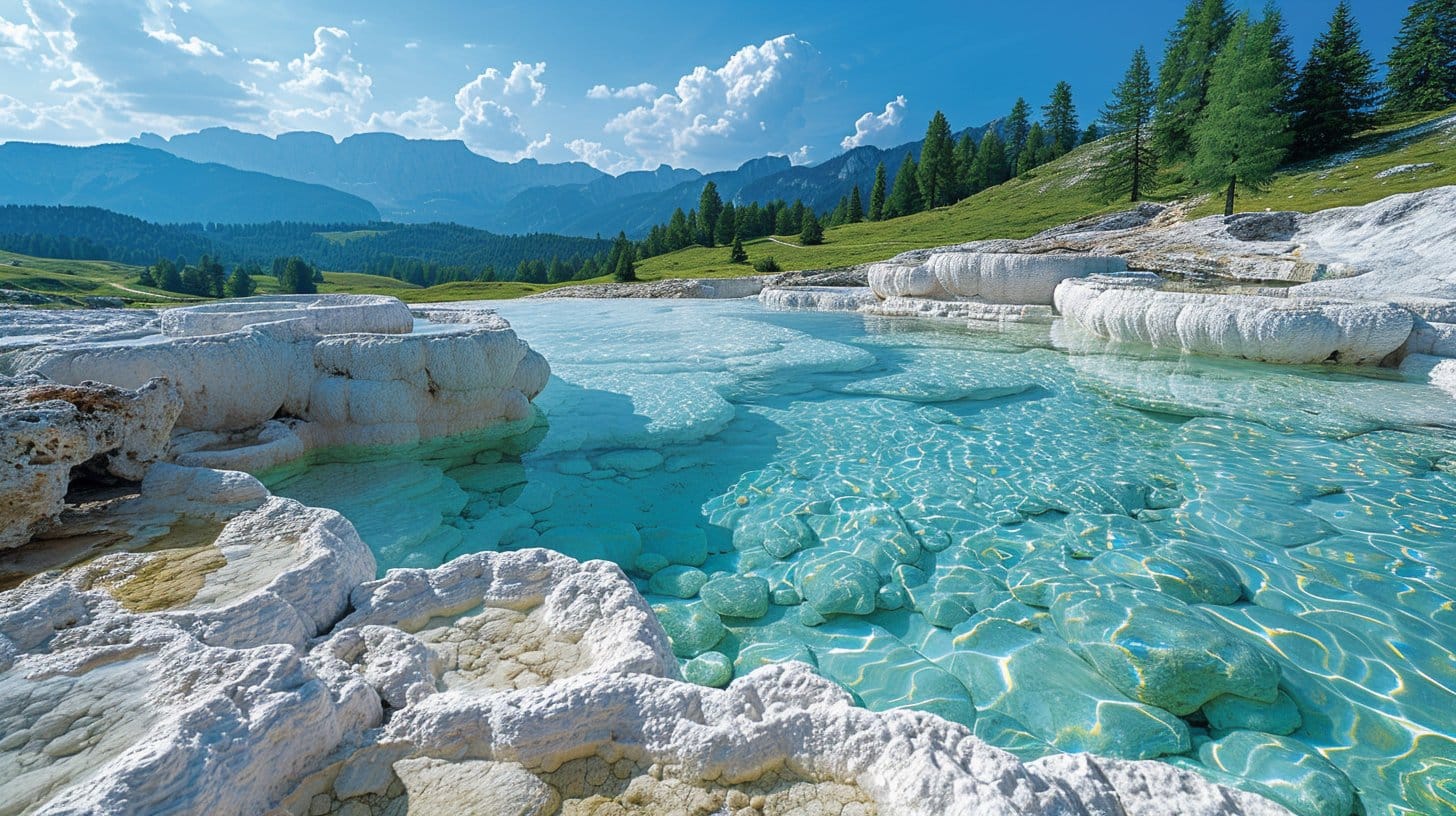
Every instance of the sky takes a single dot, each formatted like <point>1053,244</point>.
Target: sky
<point>621,85</point>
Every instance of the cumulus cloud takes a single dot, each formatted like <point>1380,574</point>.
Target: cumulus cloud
<point>642,90</point>
<point>752,104</point>
<point>17,36</point>
<point>488,124</point>
<point>330,73</point>
<point>159,24</point>
<point>871,124</point>
<point>602,157</point>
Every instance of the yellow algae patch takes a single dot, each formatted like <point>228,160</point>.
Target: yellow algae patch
<point>168,579</point>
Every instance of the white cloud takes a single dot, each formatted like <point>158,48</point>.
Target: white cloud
<point>17,36</point>
<point>642,90</point>
<point>265,66</point>
<point>871,124</point>
<point>800,156</point>
<point>159,24</point>
<point>412,44</point>
<point>602,157</point>
<point>488,123</point>
<point>752,104</point>
<point>423,121</point>
<point>330,73</point>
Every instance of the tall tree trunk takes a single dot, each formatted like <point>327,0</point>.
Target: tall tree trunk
<point>1137,164</point>
<point>1228,201</point>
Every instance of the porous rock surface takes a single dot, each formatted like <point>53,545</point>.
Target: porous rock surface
<point>48,429</point>
<point>988,277</point>
<point>821,298</point>
<point>1276,330</point>
<point>291,373</point>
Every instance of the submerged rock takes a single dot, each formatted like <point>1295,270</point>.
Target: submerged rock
<point>1285,770</point>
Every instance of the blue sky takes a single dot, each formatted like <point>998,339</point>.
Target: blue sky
<point>621,85</point>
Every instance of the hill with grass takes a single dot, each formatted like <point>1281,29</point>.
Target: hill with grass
<point>1403,155</point>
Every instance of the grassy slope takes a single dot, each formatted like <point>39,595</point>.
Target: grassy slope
<point>1055,194</point>
<point>1049,195</point>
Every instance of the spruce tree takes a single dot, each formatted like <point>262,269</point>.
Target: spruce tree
<point>240,283</point>
<point>1422,65</point>
<point>936,173</point>
<point>737,254</point>
<point>1183,79</point>
<point>1243,136</point>
<point>877,194</point>
<point>905,195</point>
<point>146,278</point>
<point>1129,165</point>
<point>710,206</point>
<point>965,155</point>
<point>1283,53</point>
<point>990,166</point>
<point>1061,121</point>
<point>1336,89</point>
<point>1036,149</point>
<point>625,268</point>
<point>1090,135</point>
<point>856,206</point>
<point>1017,128</point>
<point>813,233</point>
<point>678,235</point>
<point>727,228</point>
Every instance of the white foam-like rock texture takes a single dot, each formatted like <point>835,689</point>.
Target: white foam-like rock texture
<point>1276,330</point>
<point>989,277</point>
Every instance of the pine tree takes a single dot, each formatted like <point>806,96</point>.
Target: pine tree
<point>1336,89</point>
<point>1283,54</point>
<point>877,194</point>
<point>965,154</point>
<point>678,235</point>
<point>856,207</point>
<point>738,255</point>
<point>240,283</point>
<point>936,173</point>
<point>905,195</point>
<point>813,233</point>
<point>727,228</point>
<point>624,270</point>
<point>990,167</point>
<point>710,206</point>
<point>1422,65</point>
<point>146,278</point>
<point>298,277</point>
<point>1090,135</point>
<point>1129,165</point>
<point>1061,120</point>
<point>1016,128</point>
<point>1036,149</point>
<point>1184,77</point>
<point>557,272</point>
<point>1243,136</point>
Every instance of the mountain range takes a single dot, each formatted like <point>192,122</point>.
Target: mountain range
<point>228,176</point>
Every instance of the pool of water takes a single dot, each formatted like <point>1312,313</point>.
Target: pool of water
<point>1238,567</point>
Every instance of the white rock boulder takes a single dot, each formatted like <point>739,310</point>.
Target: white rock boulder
<point>48,429</point>
<point>1271,329</point>
<point>989,277</point>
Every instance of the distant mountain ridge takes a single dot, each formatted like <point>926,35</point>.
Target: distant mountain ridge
<point>414,181</point>
<point>157,186</point>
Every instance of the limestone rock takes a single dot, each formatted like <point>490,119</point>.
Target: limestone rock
<point>48,429</point>
<point>990,277</point>
<point>821,298</point>
<point>1276,330</point>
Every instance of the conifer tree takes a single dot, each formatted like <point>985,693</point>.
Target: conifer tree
<point>1184,77</point>
<point>936,173</point>
<point>710,206</point>
<point>625,268</point>
<point>1129,165</point>
<point>1090,135</point>
<point>905,195</point>
<point>813,232</point>
<point>1422,65</point>
<point>240,283</point>
<point>1036,149</point>
<point>965,154</point>
<point>877,194</point>
<point>1283,52</point>
<point>1336,88</point>
<point>856,207</point>
<point>169,276</point>
<point>1017,128</point>
<point>737,254</point>
<point>1061,121</point>
<point>146,278</point>
<point>678,235</point>
<point>727,228</point>
<point>1243,136</point>
<point>990,166</point>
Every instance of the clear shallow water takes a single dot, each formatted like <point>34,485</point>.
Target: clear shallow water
<point>1239,567</point>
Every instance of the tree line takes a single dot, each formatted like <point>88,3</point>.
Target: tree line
<point>1231,104</point>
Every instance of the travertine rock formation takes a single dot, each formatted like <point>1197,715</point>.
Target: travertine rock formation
<point>988,277</point>
<point>48,430</point>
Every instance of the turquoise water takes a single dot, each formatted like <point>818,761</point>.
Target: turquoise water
<point>1242,568</point>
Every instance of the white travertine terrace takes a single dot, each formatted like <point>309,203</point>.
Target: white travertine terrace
<point>989,277</point>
